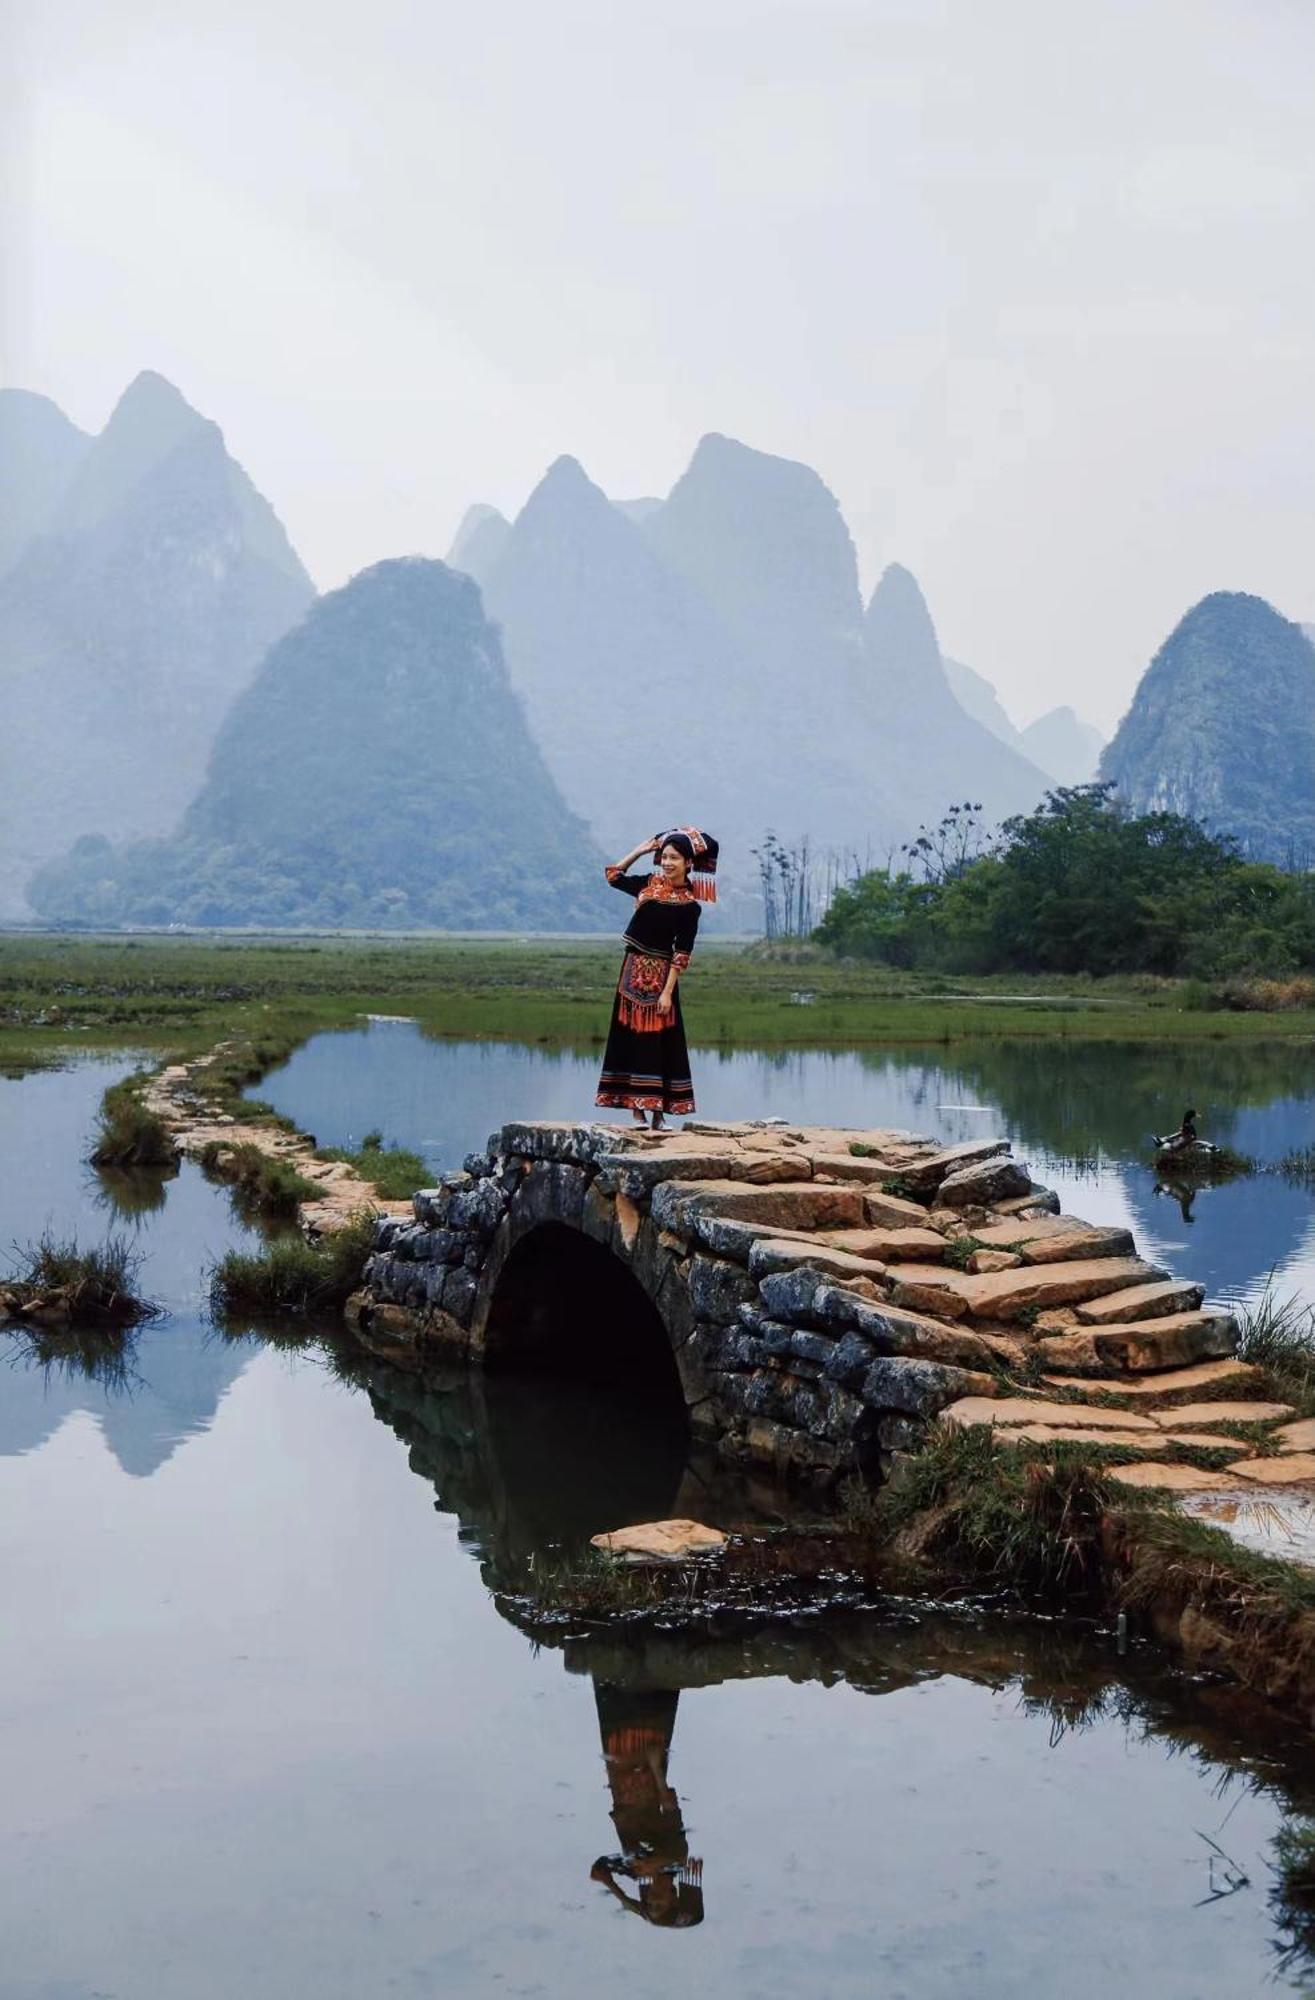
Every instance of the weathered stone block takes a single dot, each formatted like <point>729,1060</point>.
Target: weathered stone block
<point>900,1433</point>
<point>597,1215</point>
<point>816,1347</point>
<point>459,1288</point>
<point>918,1388</point>
<point>849,1360</point>
<point>637,1174</point>
<point>718,1289</point>
<point>727,1238</point>
<point>789,1295</point>
<point>933,1169</point>
<point>783,1253</point>
<point>984,1183</point>
<point>892,1211</point>
<point>551,1139</point>
<point>477,1209</point>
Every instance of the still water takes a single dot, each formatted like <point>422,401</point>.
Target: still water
<point>271,1723</point>
<point>1081,1114</point>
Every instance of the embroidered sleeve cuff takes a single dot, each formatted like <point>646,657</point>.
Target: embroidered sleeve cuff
<point>612,871</point>
<point>680,961</point>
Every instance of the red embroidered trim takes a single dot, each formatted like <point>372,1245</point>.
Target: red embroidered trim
<point>679,1104</point>
<point>657,889</point>
<point>680,959</point>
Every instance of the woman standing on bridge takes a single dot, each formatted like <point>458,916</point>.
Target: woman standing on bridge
<point>646,1062</point>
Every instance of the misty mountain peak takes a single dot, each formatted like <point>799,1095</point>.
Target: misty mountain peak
<point>479,541</point>
<point>149,422</point>
<point>763,539</point>
<point>40,451</point>
<point>1222,727</point>
<point>901,638</point>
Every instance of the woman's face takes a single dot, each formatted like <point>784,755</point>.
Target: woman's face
<point>674,866</point>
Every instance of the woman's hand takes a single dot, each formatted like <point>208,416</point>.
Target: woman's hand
<point>666,999</point>
<point>645,847</point>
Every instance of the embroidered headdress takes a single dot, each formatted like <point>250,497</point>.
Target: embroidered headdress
<point>700,850</point>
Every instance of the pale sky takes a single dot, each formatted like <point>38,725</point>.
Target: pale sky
<point>1029,282</point>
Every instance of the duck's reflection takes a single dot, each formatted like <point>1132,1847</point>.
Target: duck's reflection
<point>636,1728</point>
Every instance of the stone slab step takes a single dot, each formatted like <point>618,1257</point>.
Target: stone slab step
<point>1176,1341</point>
<point>1186,1416</point>
<point>1056,1239</point>
<point>1170,1295</point>
<point>1299,1436</point>
<point>853,1167</point>
<point>1012,1412</point>
<point>1003,1295</point>
<point>1172,1478</point>
<point>1290,1469</point>
<point>891,1211</point>
<point>782,1253</point>
<point>926,1174</point>
<point>1124,1440</point>
<point>890,1246</point>
<point>1156,1387</point>
<point>786,1205</point>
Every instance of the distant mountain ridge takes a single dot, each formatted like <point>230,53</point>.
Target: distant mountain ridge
<point>1222,728</point>
<point>40,452</point>
<point>377,774</point>
<point>127,627</point>
<point>710,657</point>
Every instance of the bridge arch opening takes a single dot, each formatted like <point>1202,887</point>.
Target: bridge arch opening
<point>566,1306</point>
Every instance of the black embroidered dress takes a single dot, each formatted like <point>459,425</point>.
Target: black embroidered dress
<point>646,1062</point>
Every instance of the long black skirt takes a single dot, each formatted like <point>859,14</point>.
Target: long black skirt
<point>647,1070</point>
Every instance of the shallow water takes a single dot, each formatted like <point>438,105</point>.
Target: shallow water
<point>1080,1113</point>
<point>271,1726</point>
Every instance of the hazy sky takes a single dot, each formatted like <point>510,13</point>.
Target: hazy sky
<point>1029,282</point>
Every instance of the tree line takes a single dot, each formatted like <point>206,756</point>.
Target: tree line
<point>1081,884</point>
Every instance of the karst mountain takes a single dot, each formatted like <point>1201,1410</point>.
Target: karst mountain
<point>708,656</point>
<point>1222,728</point>
<point>148,580</point>
<point>378,773</point>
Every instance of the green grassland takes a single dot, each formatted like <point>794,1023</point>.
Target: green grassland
<point>178,995</point>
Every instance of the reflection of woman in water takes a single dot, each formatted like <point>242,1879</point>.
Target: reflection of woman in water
<point>636,1731</point>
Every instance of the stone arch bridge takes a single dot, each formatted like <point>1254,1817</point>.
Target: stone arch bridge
<point>812,1297</point>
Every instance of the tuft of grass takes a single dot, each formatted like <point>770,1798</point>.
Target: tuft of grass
<point>1278,1335</point>
<point>1298,1167</point>
<point>960,1249</point>
<point>127,1134</point>
<point>1033,1514</point>
<point>1292,1897</point>
<point>392,1171</point>
<point>263,1183</point>
<point>293,1276</point>
<point>71,1286</point>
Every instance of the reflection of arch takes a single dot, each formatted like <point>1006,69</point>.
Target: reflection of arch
<point>564,1304</point>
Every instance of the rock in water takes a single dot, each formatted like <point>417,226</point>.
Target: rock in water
<point>157,581</point>
<point>378,773</point>
<point>1222,729</point>
<point>664,1541</point>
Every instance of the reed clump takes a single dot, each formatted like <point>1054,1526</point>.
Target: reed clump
<point>128,1134</point>
<point>291,1275</point>
<point>55,1283</point>
<point>392,1171</point>
<point>264,1183</point>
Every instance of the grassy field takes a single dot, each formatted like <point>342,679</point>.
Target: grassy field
<point>177,995</point>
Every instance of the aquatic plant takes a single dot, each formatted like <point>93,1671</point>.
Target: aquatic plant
<point>1278,1335</point>
<point>291,1275</point>
<point>57,1283</point>
<point>1032,1517</point>
<point>392,1171</point>
<point>1292,1898</point>
<point>127,1133</point>
<point>263,1182</point>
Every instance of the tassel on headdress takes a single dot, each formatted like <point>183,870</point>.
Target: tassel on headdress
<point>701,851</point>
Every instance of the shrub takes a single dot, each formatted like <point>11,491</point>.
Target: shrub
<point>264,1183</point>
<point>80,1287</point>
<point>291,1275</point>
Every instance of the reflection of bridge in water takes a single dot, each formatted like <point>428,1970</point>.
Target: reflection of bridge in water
<point>531,1469</point>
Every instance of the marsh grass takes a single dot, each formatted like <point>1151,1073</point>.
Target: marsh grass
<point>127,1133</point>
<point>392,1171</point>
<point>1278,1336</point>
<point>290,1275</point>
<point>88,1288</point>
<point>262,1183</point>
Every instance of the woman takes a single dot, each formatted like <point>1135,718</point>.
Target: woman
<point>646,1062</point>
